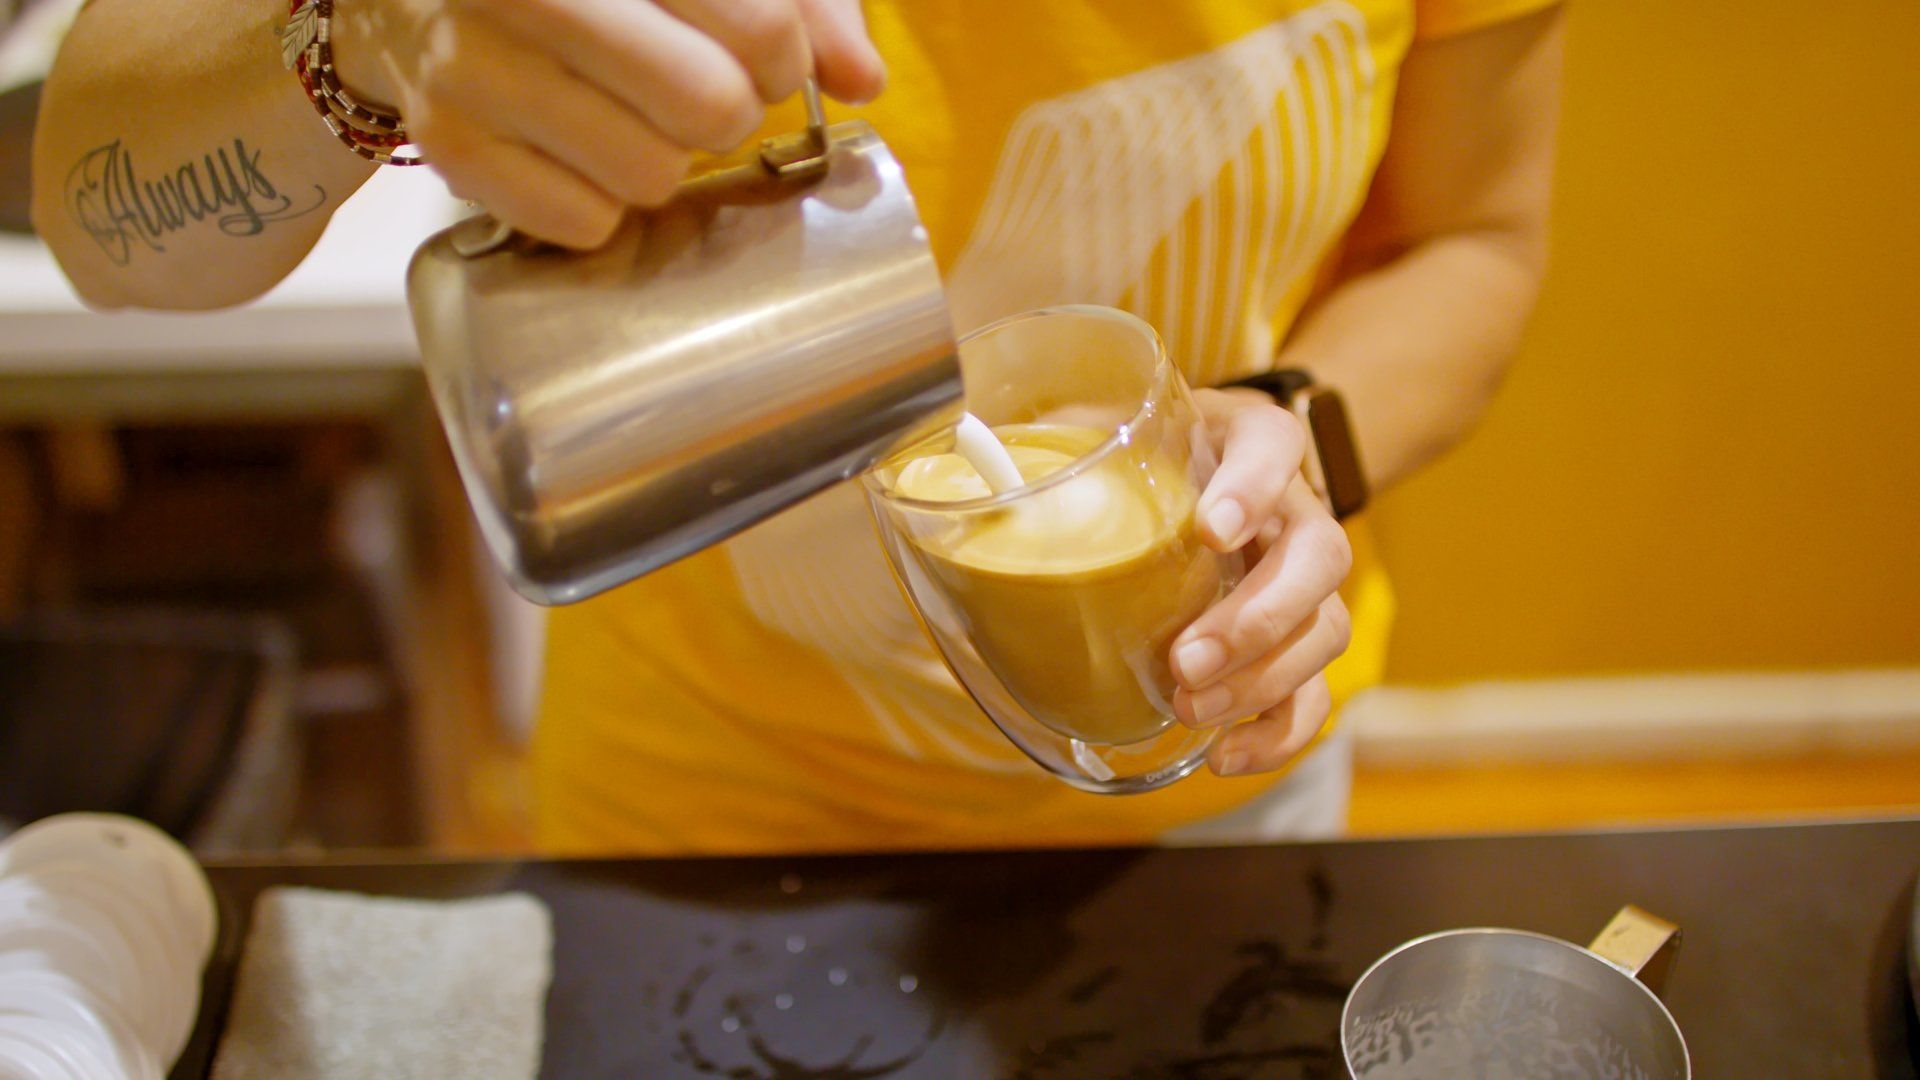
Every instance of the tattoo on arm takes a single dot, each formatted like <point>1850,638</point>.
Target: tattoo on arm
<point>125,210</point>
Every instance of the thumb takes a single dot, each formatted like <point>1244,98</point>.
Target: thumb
<point>844,58</point>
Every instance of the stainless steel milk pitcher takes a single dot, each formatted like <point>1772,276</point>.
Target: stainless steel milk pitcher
<point>777,327</point>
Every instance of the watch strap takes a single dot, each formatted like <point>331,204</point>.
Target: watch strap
<point>1333,455</point>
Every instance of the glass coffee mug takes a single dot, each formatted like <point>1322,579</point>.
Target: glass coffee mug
<point>1056,603</point>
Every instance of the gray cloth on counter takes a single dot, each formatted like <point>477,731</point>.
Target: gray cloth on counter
<point>339,986</point>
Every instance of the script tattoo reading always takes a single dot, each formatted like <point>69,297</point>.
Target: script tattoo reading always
<point>122,209</point>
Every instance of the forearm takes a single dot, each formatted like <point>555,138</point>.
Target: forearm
<point>176,163</point>
<point>1417,346</point>
<point>1445,259</point>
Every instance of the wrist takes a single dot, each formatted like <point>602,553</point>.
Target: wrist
<point>1250,395</point>
<point>360,54</point>
<point>1332,463</point>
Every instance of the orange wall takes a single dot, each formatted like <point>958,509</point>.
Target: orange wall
<point>1708,455</point>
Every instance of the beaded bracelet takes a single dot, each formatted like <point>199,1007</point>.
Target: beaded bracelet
<point>307,49</point>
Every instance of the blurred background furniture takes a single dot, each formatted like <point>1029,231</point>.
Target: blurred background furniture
<point>184,719</point>
<point>279,460</point>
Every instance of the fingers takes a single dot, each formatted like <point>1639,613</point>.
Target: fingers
<point>1260,456</point>
<point>1263,651</point>
<point>606,143</point>
<point>848,65</point>
<point>1270,680</point>
<point>1276,736</point>
<point>700,71</point>
<point>521,186</point>
<point>683,82</point>
<point>1294,577</point>
<point>767,37</point>
<point>557,114</point>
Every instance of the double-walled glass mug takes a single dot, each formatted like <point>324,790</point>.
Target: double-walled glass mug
<point>1056,603</point>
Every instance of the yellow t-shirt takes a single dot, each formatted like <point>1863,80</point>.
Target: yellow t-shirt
<point>1192,161</point>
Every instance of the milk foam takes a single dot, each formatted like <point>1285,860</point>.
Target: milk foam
<point>1091,520</point>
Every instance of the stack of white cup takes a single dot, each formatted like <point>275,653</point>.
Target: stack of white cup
<point>105,925</point>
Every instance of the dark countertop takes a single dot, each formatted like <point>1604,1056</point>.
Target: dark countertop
<point>1195,964</point>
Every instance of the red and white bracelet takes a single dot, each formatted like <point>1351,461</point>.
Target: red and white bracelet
<point>306,48</point>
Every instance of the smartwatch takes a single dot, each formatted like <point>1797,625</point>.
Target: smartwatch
<point>1333,458</point>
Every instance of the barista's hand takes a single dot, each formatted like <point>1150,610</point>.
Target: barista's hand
<point>1259,655</point>
<point>559,114</point>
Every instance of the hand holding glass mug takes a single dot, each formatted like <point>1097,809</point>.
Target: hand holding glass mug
<point>1259,655</point>
<point>1096,601</point>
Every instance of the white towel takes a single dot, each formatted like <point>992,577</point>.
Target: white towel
<point>339,986</point>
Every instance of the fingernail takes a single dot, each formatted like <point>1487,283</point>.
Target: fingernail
<point>1208,704</point>
<point>1226,519</point>
<point>1198,659</point>
<point>1232,762</point>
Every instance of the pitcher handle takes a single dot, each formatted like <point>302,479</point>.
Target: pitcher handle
<point>1641,944</point>
<point>801,156</point>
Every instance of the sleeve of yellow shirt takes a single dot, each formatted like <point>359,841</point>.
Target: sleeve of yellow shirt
<point>1441,18</point>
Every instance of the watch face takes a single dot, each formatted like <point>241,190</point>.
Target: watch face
<point>1345,484</point>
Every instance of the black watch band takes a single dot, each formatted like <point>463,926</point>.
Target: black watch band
<point>1333,457</point>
